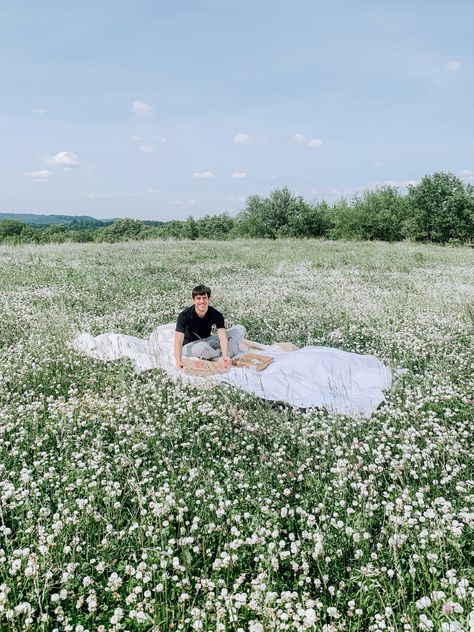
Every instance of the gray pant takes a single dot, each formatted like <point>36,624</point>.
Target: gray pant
<point>209,348</point>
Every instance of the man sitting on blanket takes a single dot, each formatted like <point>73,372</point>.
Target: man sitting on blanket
<point>193,332</point>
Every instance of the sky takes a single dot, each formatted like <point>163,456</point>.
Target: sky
<point>161,109</point>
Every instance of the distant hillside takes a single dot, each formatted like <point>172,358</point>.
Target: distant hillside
<point>72,221</point>
<point>30,218</point>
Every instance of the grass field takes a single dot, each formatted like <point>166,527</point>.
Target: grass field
<point>129,502</point>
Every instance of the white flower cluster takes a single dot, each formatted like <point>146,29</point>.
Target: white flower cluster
<point>132,502</point>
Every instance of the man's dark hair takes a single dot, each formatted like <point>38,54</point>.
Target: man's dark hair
<point>199,290</point>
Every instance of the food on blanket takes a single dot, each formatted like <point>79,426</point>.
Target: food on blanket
<point>204,368</point>
<point>257,361</point>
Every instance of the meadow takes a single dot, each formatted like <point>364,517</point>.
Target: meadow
<point>131,502</point>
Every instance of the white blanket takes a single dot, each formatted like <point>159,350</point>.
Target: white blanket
<point>319,377</point>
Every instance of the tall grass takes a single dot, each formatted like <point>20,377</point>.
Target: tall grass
<point>130,502</point>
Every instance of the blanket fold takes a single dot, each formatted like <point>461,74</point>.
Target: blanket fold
<point>312,377</point>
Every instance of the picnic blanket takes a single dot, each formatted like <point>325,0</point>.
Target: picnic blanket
<point>312,377</point>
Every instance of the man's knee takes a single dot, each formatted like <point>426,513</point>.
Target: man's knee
<point>237,331</point>
<point>200,350</point>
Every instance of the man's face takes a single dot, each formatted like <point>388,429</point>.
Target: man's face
<point>201,304</point>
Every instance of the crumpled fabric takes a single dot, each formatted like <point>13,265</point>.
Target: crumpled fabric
<point>312,377</point>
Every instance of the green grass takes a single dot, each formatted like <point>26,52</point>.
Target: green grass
<point>130,502</point>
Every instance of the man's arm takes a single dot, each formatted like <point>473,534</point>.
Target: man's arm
<point>224,347</point>
<point>178,349</point>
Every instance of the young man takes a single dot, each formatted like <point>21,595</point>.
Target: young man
<point>193,331</point>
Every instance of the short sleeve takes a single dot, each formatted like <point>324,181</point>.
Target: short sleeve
<point>181,323</point>
<point>219,320</point>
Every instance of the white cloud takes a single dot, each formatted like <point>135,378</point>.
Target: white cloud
<point>106,196</point>
<point>299,138</point>
<point>142,110</point>
<point>64,159</point>
<point>238,174</point>
<point>467,174</point>
<point>204,175</point>
<point>147,149</point>
<point>179,202</point>
<point>152,190</point>
<point>137,139</point>
<point>309,142</point>
<point>378,163</point>
<point>247,139</point>
<point>39,176</point>
<point>160,140</point>
<point>453,65</point>
<point>38,111</point>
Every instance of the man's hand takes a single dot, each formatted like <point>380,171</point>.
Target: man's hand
<point>224,345</point>
<point>178,349</point>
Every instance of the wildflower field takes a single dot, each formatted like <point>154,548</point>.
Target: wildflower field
<point>130,502</point>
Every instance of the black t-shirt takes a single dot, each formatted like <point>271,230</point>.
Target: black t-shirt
<point>194,328</point>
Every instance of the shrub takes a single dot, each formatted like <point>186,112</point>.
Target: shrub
<point>282,213</point>
<point>121,230</point>
<point>372,215</point>
<point>441,209</point>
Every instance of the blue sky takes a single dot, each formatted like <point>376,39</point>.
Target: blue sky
<point>159,109</point>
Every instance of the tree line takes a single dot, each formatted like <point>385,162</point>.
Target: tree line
<point>439,209</point>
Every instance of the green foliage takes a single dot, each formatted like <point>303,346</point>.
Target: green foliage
<point>88,223</point>
<point>169,230</point>
<point>189,229</point>
<point>55,233</point>
<point>11,227</point>
<point>281,214</point>
<point>441,209</point>
<point>252,221</point>
<point>15,232</point>
<point>39,220</point>
<point>121,230</point>
<point>217,227</point>
<point>308,220</point>
<point>372,215</point>
<point>81,236</point>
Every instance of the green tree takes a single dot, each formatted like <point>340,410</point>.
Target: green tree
<point>189,229</point>
<point>372,215</point>
<point>11,227</point>
<point>270,217</point>
<point>169,230</point>
<point>441,208</point>
<point>122,230</point>
<point>16,232</point>
<point>80,236</point>
<point>307,220</point>
<point>56,233</point>
<point>214,226</point>
<point>251,221</point>
<point>345,224</point>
